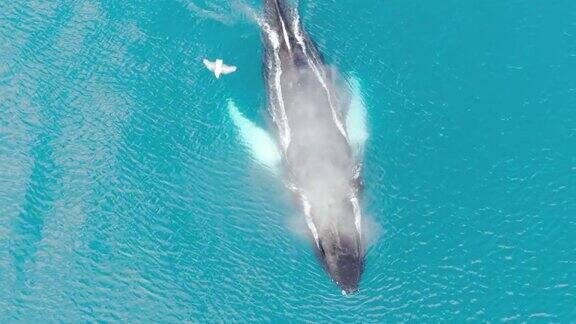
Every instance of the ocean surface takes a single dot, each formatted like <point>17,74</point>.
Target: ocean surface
<point>126,194</point>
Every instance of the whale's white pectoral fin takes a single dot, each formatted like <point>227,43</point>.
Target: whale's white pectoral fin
<point>356,118</point>
<point>261,145</point>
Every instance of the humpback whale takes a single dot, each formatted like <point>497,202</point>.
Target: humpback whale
<point>307,105</point>
<point>317,141</point>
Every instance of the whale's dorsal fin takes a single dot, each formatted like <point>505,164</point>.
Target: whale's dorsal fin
<point>259,142</point>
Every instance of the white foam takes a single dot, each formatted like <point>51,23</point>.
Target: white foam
<point>309,221</point>
<point>285,127</point>
<point>357,214</point>
<point>298,33</point>
<point>276,68</point>
<point>272,35</point>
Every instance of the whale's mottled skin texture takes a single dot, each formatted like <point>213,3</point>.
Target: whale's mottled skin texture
<point>305,101</point>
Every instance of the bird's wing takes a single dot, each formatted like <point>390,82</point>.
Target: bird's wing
<point>227,69</point>
<point>210,65</point>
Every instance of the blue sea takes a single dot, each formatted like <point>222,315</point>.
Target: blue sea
<point>126,194</point>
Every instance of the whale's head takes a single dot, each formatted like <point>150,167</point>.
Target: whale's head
<point>333,215</point>
<point>343,258</point>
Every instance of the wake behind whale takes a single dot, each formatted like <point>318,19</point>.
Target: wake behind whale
<point>320,130</point>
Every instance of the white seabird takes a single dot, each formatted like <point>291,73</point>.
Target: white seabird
<point>218,67</point>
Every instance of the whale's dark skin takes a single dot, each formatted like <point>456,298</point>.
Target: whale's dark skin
<point>305,101</point>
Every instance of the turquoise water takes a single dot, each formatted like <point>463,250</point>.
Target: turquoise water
<point>125,194</point>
